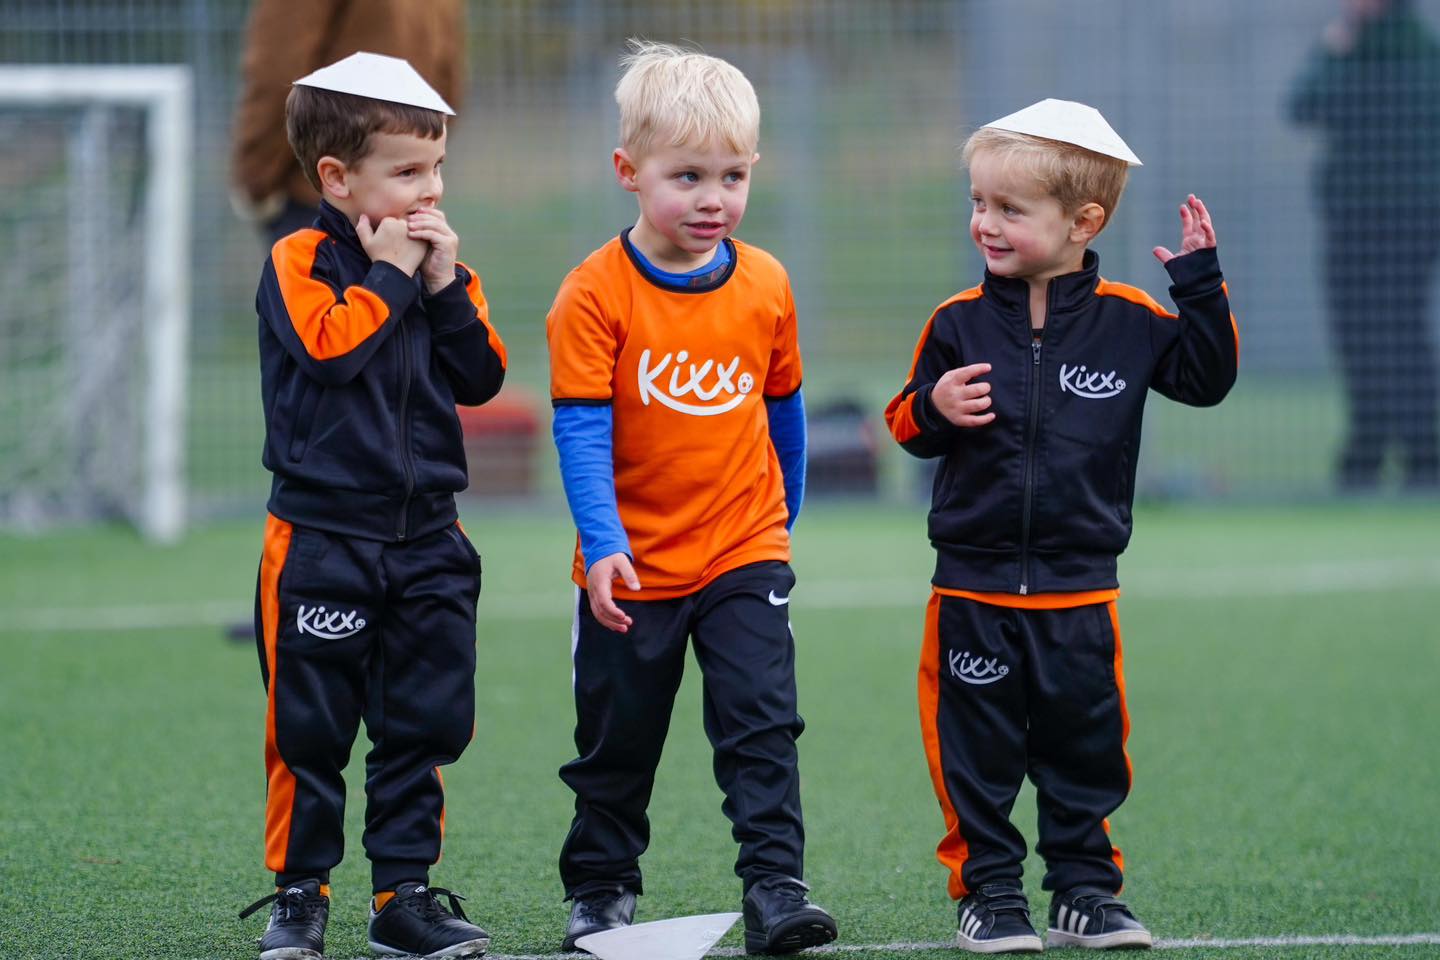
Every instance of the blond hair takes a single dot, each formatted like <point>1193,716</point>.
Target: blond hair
<point>1072,175</point>
<point>684,97</point>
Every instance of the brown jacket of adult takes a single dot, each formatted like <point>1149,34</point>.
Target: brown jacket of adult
<point>286,40</point>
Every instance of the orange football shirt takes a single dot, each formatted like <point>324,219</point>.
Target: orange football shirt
<point>686,372</point>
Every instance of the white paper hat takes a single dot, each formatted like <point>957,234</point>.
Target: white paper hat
<point>682,938</point>
<point>379,78</point>
<point>1068,122</point>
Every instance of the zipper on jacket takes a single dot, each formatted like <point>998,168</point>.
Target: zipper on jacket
<point>403,428</point>
<point>1032,426</point>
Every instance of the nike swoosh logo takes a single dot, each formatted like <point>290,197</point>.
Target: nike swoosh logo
<point>777,601</point>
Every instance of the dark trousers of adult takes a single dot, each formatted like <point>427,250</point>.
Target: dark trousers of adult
<point>1379,270</point>
<point>1007,692</point>
<point>625,686</point>
<point>351,629</point>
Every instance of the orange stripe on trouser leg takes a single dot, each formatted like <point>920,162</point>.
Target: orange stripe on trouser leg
<point>953,851</point>
<point>280,790</point>
<point>1114,611</point>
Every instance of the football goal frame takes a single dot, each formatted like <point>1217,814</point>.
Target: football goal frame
<point>165,95</point>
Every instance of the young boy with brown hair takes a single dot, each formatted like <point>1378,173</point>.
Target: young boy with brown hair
<point>675,377</point>
<point>1030,388</point>
<point>370,332</point>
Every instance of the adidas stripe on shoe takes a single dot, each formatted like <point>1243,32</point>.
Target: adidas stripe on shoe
<point>996,919</point>
<point>1094,918</point>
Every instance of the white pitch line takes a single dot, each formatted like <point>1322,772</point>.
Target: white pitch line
<point>1297,940</point>
<point>1382,574</point>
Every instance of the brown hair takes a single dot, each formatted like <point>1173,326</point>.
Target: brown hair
<point>326,123</point>
<point>1072,175</point>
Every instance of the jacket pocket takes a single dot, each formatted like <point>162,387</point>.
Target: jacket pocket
<point>304,418</point>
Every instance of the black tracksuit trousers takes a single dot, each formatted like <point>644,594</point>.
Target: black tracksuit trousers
<point>1007,692</point>
<point>351,629</point>
<point>625,686</point>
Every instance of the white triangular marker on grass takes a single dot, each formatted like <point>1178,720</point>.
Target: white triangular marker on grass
<point>681,938</point>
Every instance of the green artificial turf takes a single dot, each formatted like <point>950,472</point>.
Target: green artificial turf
<point>1283,740</point>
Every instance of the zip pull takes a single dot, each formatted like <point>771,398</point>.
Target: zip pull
<point>1035,349</point>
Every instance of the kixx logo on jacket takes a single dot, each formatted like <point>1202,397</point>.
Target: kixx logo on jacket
<point>711,380</point>
<point>1092,385</point>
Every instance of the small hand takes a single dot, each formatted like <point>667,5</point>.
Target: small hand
<point>961,401</point>
<point>389,242</point>
<point>599,583</point>
<point>1196,230</point>
<point>438,268</point>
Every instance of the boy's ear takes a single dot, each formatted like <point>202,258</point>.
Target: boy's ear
<point>1087,223</point>
<point>333,177</point>
<point>625,170</point>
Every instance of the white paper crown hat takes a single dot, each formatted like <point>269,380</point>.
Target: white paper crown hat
<point>1068,122</point>
<point>379,78</point>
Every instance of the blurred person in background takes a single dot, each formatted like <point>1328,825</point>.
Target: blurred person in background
<point>1372,88</point>
<point>284,40</point>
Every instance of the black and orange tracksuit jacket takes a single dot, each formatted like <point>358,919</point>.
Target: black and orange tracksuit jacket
<point>361,370</point>
<point>365,601</point>
<point>1021,667</point>
<point>1039,500</point>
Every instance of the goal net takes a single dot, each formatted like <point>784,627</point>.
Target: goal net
<point>94,295</point>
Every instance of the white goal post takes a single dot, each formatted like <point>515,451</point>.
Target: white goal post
<point>164,94</point>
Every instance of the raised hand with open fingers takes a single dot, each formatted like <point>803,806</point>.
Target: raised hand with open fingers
<point>1196,230</point>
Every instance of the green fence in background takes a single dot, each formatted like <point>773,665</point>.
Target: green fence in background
<point>858,192</point>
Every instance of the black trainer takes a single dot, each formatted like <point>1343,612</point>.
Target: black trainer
<point>1092,917</point>
<point>779,918</point>
<point>297,922</point>
<point>596,910</point>
<point>414,923</point>
<point>996,919</point>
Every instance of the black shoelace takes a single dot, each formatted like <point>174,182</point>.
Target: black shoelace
<point>429,906</point>
<point>292,907</point>
<point>594,904</point>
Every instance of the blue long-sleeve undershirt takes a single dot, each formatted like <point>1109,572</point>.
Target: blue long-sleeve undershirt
<point>584,437</point>
<point>788,435</point>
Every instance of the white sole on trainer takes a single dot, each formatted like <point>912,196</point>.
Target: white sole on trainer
<point>1020,944</point>
<point>1119,940</point>
<point>289,953</point>
<point>470,948</point>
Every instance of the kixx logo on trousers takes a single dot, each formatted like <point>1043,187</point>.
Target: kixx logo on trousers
<point>695,383</point>
<point>328,626</point>
<point>1093,385</point>
<point>976,670</point>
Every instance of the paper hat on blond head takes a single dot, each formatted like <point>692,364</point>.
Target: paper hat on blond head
<point>379,78</point>
<point>1068,122</point>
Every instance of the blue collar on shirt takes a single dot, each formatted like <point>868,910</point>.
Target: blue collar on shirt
<point>699,280</point>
